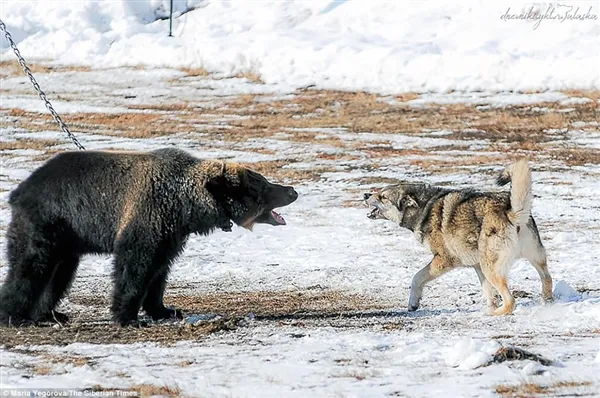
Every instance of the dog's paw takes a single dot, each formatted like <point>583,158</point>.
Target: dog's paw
<point>504,310</point>
<point>414,301</point>
<point>488,310</point>
<point>547,300</point>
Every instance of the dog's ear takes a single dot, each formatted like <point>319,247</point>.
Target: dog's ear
<point>408,201</point>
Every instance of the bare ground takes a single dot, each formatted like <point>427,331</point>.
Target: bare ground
<point>231,309</point>
<point>465,138</point>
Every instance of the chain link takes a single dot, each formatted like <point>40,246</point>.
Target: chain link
<point>37,87</point>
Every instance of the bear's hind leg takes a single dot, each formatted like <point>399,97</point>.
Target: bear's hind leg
<point>31,265</point>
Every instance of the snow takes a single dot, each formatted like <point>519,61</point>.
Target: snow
<point>565,292</point>
<point>379,46</point>
<point>443,347</point>
<point>322,363</point>
<point>471,354</point>
<point>383,47</point>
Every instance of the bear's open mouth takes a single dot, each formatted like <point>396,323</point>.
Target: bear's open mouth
<point>276,217</point>
<point>268,216</point>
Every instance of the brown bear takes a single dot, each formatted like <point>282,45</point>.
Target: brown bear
<point>138,206</point>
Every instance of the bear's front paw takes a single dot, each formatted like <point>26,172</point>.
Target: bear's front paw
<point>134,323</point>
<point>166,313</point>
<point>227,226</point>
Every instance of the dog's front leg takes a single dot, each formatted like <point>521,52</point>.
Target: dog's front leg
<point>436,268</point>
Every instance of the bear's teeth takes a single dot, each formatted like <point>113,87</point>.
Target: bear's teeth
<point>277,217</point>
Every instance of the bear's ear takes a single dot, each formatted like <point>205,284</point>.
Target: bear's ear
<point>218,186</point>
<point>408,201</point>
<point>254,183</point>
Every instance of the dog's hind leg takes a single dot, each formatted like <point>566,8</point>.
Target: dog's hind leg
<point>436,268</point>
<point>488,290</point>
<point>533,250</point>
<point>495,269</point>
<point>542,268</point>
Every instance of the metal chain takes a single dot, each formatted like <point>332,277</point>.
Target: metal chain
<point>37,87</point>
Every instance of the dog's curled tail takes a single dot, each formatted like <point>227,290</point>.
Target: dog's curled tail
<point>519,175</point>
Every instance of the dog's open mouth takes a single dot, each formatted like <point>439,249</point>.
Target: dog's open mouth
<point>374,214</point>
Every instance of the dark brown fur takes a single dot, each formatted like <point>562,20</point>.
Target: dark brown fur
<point>141,207</point>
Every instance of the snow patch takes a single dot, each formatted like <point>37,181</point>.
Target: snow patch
<point>564,292</point>
<point>378,46</point>
<point>470,353</point>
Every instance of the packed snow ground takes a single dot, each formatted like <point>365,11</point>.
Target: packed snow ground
<point>379,46</point>
<point>435,351</point>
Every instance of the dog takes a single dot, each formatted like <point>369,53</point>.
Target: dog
<point>139,206</point>
<point>464,227</point>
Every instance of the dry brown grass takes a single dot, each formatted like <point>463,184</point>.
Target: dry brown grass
<point>110,333</point>
<point>252,76</point>
<point>48,359</point>
<point>451,165</point>
<point>503,133</point>
<point>143,390</point>
<point>377,180</point>
<point>132,125</point>
<point>28,143</point>
<point>591,94</point>
<point>274,303</point>
<point>577,156</point>
<point>17,112</point>
<point>76,361</point>
<point>195,72</point>
<point>355,111</point>
<point>178,107</point>
<point>13,68</point>
<point>42,370</point>
<point>406,97</point>
<point>267,303</point>
<point>275,169</point>
<point>530,389</point>
<point>361,112</point>
<point>234,306</point>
